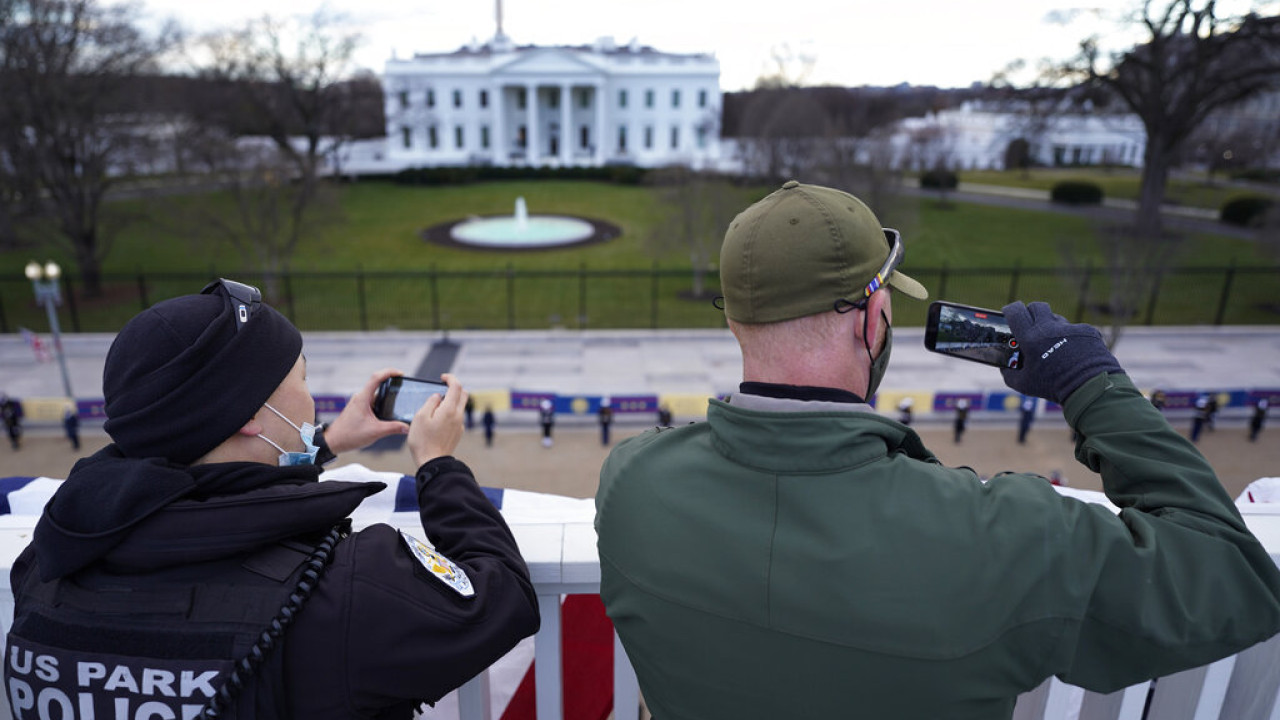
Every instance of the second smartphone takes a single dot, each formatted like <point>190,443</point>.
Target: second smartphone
<point>971,333</point>
<point>398,398</point>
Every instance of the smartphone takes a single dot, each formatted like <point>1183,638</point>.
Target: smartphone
<point>398,398</point>
<point>971,333</point>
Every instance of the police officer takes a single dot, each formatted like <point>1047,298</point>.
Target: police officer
<point>196,564</point>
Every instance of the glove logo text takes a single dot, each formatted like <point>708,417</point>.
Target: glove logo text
<point>1056,345</point>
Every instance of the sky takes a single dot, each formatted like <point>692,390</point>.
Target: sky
<point>947,43</point>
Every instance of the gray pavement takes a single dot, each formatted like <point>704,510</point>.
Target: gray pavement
<point>671,362</point>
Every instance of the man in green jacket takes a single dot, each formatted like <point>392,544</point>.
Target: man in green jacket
<point>800,556</point>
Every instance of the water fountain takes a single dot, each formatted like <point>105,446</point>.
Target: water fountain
<point>521,230</point>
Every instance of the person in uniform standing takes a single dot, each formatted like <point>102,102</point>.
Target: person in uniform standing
<point>546,418</point>
<point>962,418</point>
<point>197,565</point>
<point>605,417</point>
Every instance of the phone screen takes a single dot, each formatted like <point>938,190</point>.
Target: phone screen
<point>972,333</point>
<point>399,398</point>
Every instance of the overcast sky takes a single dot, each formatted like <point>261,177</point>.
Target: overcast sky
<point>949,43</point>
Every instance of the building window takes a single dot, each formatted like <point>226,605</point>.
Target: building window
<point>484,98</point>
<point>457,98</point>
<point>675,137</point>
<point>406,137</point>
<point>648,98</point>
<point>433,139</point>
<point>622,98</point>
<point>553,100</point>
<point>702,138</point>
<point>484,137</point>
<point>675,98</point>
<point>521,98</point>
<point>584,137</point>
<point>622,138</point>
<point>431,98</point>
<point>522,136</point>
<point>457,137</point>
<point>404,99</point>
<point>584,99</point>
<point>648,137</point>
<point>702,98</point>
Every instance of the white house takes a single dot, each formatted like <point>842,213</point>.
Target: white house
<point>501,104</point>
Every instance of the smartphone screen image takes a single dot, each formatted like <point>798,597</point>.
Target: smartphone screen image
<point>971,333</point>
<point>398,398</point>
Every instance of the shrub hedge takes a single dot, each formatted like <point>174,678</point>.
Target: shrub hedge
<point>939,180</point>
<point>1246,210</point>
<point>1076,192</point>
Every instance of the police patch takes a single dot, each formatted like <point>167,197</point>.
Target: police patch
<point>439,566</point>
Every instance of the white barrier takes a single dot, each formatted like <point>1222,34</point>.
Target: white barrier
<point>562,560</point>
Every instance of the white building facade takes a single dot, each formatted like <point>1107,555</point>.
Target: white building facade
<point>973,137</point>
<point>507,105</point>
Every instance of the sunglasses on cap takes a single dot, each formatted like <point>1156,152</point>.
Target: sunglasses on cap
<point>243,299</point>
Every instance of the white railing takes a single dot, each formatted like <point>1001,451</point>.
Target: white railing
<point>562,560</point>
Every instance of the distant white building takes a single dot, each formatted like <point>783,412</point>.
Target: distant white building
<point>974,137</point>
<point>501,104</point>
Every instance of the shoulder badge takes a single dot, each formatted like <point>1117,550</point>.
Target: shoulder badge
<point>441,567</point>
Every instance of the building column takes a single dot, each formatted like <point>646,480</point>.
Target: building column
<point>598,136</point>
<point>497,133</point>
<point>531,153</point>
<point>566,125</point>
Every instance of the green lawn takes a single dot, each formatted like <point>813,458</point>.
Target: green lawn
<point>1115,183</point>
<point>369,267</point>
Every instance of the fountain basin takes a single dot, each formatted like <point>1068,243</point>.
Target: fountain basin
<point>521,231</point>
<point>509,232</point>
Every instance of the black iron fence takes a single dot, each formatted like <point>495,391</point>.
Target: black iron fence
<point>508,298</point>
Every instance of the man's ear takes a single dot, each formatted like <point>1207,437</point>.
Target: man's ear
<point>875,316</point>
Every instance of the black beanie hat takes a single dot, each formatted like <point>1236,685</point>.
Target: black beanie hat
<point>179,379</point>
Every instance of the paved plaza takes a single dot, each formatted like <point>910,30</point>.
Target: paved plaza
<point>689,366</point>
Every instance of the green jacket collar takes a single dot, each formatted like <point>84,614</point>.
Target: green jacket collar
<point>795,436</point>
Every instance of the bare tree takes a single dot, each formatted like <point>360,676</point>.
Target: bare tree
<point>293,78</point>
<point>1193,61</point>
<point>65,136</point>
<point>699,207</point>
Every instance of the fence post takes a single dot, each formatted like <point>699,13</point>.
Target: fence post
<point>71,306</point>
<point>360,299</point>
<point>142,290</point>
<point>511,297</point>
<point>582,296</point>
<point>1013,282</point>
<point>653,295</point>
<point>1084,291</point>
<point>1226,292</point>
<point>1155,297</point>
<point>4,321</point>
<point>942,282</point>
<point>435,297</point>
<point>287,277</point>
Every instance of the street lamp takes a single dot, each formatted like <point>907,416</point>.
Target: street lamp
<point>44,278</point>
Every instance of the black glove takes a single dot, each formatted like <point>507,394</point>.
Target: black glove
<point>1057,356</point>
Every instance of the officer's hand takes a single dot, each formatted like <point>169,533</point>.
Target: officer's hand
<point>1057,356</point>
<point>436,429</point>
<point>356,426</point>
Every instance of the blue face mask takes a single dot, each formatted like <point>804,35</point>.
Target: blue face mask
<point>307,432</point>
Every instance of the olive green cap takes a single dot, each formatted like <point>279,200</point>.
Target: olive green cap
<point>800,250</point>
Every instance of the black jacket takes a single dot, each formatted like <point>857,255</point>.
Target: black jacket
<point>380,634</point>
